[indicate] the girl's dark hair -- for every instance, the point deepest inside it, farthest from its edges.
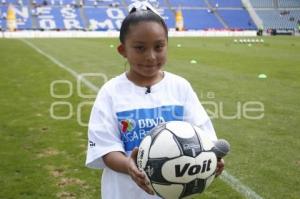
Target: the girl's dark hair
(137, 16)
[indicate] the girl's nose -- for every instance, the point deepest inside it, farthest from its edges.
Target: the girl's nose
(150, 55)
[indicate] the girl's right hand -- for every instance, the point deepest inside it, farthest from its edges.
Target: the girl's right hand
(137, 176)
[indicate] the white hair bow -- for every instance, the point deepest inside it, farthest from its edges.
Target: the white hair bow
(142, 5)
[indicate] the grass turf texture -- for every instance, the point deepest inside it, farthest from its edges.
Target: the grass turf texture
(44, 158)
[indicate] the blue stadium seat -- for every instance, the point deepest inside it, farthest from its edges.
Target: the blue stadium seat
(65, 18)
(23, 17)
(155, 3)
(2, 21)
(17, 2)
(55, 2)
(105, 3)
(189, 3)
(276, 14)
(108, 14)
(41, 2)
(244, 20)
(262, 3)
(200, 19)
(169, 18)
(159, 3)
(288, 3)
(105, 18)
(275, 19)
(226, 3)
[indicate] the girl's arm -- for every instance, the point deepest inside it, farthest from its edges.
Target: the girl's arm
(117, 161)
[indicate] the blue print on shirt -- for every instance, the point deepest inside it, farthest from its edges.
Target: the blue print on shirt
(135, 124)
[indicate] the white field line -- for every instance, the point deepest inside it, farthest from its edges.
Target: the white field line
(61, 65)
(226, 177)
(239, 186)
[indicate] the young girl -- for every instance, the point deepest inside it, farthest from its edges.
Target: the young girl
(128, 106)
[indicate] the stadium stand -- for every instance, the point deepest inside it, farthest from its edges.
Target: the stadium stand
(189, 3)
(244, 21)
(104, 15)
(102, 3)
(58, 18)
(168, 16)
(200, 19)
(262, 3)
(155, 3)
(54, 2)
(289, 3)
(1, 21)
(226, 3)
(276, 19)
(104, 18)
(23, 17)
(17, 2)
(232, 14)
(278, 14)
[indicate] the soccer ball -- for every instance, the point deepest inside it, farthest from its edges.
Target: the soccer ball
(177, 159)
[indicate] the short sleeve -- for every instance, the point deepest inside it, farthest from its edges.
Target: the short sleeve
(103, 134)
(196, 114)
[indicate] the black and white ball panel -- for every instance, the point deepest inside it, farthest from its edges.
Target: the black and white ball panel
(177, 127)
(204, 139)
(170, 191)
(178, 160)
(164, 145)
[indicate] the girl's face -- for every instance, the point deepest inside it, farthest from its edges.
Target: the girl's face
(145, 48)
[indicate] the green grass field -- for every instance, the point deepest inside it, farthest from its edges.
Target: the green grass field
(43, 155)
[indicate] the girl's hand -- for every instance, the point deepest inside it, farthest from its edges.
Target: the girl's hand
(220, 167)
(137, 176)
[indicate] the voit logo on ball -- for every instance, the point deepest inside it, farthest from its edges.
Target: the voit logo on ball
(184, 169)
(127, 125)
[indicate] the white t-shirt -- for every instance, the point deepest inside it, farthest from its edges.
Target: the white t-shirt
(124, 113)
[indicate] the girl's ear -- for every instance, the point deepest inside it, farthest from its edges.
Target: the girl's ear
(121, 50)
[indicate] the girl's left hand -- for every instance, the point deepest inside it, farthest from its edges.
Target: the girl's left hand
(137, 176)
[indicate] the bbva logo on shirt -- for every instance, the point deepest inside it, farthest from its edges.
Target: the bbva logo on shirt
(135, 124)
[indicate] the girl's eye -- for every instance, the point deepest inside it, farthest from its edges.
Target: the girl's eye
(159, 46)
(139, 48)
